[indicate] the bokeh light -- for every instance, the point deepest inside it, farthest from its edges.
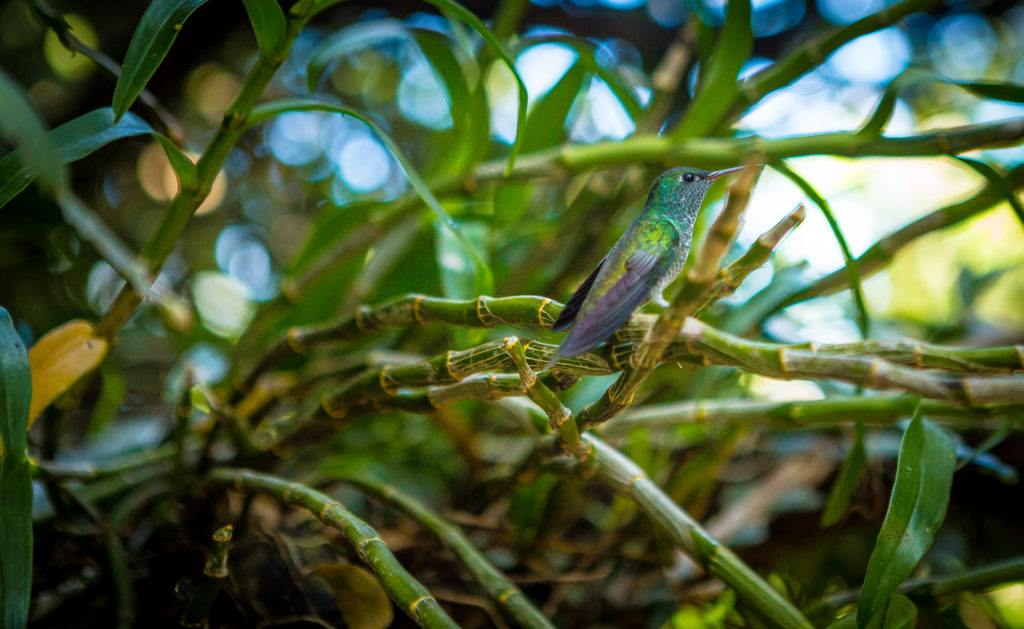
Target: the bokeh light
(223, 302)
(65, 64)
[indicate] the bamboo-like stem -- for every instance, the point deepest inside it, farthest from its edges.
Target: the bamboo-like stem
(624, 475)
(813, 52)
(177, 215)
(408, 593)
(878, 255)
(505, 593)
(753, 258)
(559, 417)
(832, 411)
(214, 573)
(973, 580)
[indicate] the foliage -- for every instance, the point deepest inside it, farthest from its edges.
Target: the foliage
(326, 282)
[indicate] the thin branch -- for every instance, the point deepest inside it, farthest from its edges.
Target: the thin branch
(410, 596)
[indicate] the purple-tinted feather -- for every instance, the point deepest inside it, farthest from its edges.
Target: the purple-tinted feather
(572, 307)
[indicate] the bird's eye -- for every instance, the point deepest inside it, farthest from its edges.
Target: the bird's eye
(689, 177)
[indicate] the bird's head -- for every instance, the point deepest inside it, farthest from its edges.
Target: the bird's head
(683, 189)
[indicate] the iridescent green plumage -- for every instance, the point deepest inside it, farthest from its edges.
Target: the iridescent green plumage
(647, 257)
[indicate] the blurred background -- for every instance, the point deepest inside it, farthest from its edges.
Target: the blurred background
(294, 232)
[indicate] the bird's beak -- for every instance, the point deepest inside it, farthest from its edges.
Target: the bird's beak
(725, 171)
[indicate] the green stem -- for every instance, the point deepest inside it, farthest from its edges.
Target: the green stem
(403, 589)
(813, 52)
(505, 593)
(214, 573)
(832, 411)
(624, 475)
(174, 219)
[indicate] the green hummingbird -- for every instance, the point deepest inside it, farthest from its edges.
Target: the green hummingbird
(648, 256)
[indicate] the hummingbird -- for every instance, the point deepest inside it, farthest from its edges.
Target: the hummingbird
(646, 258)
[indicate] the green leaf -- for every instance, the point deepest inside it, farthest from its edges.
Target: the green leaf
(15, 478)
(268, 23)
(262, 113)
(72, 141)
(900, 614)
(21, 125)
(362, 600)
(1012, 92)
(616, 83)
(849, 478)
(852, 269)
(545, 126)
(152, 39)
(183, 167)
(719, 84)
(998, 180)
(469, 19)
(917, 507)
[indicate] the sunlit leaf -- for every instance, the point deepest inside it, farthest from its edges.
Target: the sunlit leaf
(15, 478)
(72, 141)
(545, 125)
(917, 507)
(362, 600)
(718, 83)
(266, 111)
(153, 37)
(623, 91)
(849, 477)
(22, 127)
(468, 18)
(60, 358)
(268, 23)
(998, 180)
(852, 270)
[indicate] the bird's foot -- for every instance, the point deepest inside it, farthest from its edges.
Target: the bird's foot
(659, 300)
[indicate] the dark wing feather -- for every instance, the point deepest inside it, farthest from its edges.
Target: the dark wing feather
(617, 305)
(572, 307)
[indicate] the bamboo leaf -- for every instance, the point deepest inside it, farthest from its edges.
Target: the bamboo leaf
(268, 23)
(1012, 92)
(718, 85)
(266, 111)
(153, 37)
(849, 477)
(184, 168)
(21, 125)
(901, 614)
(363, 602)
(72, 141)
(545, 126)
(15, 479)
(852, 270)
(916, 509)
(998, 180)
(471, 20)
(59, 359)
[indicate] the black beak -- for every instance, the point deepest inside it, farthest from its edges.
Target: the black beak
(725, 171)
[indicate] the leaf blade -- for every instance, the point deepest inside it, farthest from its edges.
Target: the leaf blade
(150, 43)
(15, 478)
(268, 23)
(917, 507)
(72, 141)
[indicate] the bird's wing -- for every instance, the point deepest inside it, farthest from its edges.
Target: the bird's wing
(572, 307)
(646, 263)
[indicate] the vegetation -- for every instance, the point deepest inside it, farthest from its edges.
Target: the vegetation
(287, 306)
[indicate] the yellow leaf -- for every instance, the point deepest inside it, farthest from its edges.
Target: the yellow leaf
(361, 598)
(59, 359)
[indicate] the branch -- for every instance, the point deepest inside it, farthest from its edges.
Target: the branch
(402, 587)
(831, 411)
(505, 593)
